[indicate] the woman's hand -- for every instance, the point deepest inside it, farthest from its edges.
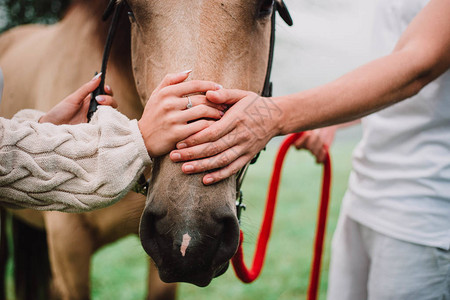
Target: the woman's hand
(167, 118)
(73, 109)
(234, 140)
(317, 141)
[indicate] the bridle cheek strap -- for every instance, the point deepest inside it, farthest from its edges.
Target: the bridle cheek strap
(280, 7)
(100, 90)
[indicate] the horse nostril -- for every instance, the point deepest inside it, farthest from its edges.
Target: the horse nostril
(229, 240)
(148, 231)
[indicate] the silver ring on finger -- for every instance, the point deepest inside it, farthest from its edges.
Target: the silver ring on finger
(189, 104)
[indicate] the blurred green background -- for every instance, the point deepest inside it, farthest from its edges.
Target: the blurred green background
(17, 12)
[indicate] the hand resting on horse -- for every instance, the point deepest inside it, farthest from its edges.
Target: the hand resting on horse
(73, 109)
(227, 145)
(252, 121)
(74, 168)
(167, 120)
(234, 140)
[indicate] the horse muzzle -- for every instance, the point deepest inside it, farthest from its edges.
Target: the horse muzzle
(189, 250)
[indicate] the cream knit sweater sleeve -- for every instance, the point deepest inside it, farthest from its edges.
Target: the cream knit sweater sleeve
(70, 168)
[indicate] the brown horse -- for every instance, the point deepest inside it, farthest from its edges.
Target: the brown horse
(189, 230)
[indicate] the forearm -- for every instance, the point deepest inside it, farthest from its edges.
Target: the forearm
(365, 90)
(70, 168)
(420, 56)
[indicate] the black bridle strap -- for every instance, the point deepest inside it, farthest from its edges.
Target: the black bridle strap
(100, 90)
(267, 89)
(281, 8)
(109, 9)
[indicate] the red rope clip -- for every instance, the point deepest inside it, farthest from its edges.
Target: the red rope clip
(249, 275)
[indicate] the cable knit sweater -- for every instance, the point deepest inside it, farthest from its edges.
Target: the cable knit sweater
(69, 168)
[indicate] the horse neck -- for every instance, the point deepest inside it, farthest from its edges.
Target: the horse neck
(84, 20)
(83, 27)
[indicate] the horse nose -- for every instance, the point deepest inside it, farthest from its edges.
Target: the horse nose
(192, 249)
(228, 236)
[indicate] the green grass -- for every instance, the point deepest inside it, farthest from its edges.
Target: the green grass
(120, 270)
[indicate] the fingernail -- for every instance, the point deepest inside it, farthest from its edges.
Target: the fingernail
(181, 145)
(100, 98)
(219, 87)
(108, 88)
(175, 156)
(188, 168)
(187, 71)
(221, 113)
(97, 76)
(209, 180)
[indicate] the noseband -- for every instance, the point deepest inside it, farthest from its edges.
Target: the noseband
(115, 8)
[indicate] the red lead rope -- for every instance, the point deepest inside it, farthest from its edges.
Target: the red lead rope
(241, 270)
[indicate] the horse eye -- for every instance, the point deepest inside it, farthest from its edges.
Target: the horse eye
(266, 8)
(131, 16)
(130, 12)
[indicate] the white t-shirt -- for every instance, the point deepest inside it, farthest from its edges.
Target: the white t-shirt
(400, 183)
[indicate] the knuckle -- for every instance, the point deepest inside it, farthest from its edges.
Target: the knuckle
(191, 141)
(166, 108)
(212, 160)
(201, 165)
(171, 120)
(196, 84)
(234, 170)
(190, 156)
(164, 92)
(176, 132)
(206, 163)
(246, 135)
(238, 121)
(213, 133)
(223, 160)
(209, 123)
(203, 123)
(221, 174)
(202, 109)
(169, 105)
(212, 149)
(169, 77)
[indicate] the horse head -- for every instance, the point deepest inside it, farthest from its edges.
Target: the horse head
(190, 230)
